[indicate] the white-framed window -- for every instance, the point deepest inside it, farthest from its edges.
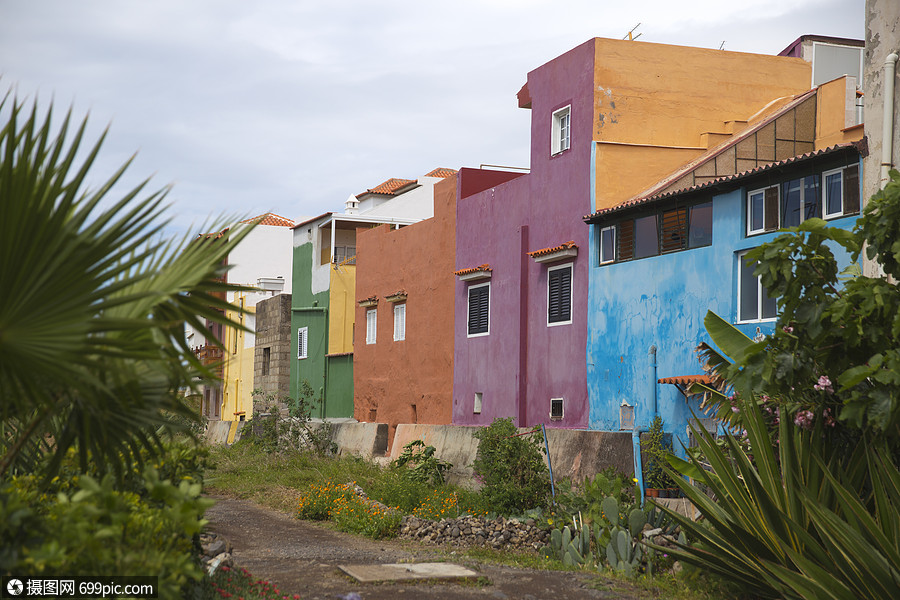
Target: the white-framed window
(607, 245)
(840, 191)
(479, 310)
(371, 325)
(754, 302)
(560, 140)
(399, 322)
(559, 295)
(557, 410)
(762, 210)
(302, 342)
(476, 408)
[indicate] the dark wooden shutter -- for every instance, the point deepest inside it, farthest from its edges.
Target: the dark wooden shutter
(479, 304)
(771, 208)
(559, 306)
(851, 190)
(625, 240)
(673, 230)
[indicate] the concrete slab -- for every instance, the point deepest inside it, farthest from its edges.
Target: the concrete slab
(406, 571)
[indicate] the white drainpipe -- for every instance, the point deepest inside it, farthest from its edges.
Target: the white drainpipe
(887, 131)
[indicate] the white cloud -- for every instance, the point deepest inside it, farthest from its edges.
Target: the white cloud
(292, 106)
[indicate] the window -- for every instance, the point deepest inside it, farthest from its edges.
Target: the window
(302, 342)
(371, 325)
(556, 409)
(399, 322)
(841, 191)
(800, 201)
(559, 295)
(607, 245)
(626, 416)
(754, 303)
(835, 192)
(762, 210)
(700, 225)
(477, 406)
(479, 309)
(266, 360)
(561, 139)
(667, 230)
(646, 242)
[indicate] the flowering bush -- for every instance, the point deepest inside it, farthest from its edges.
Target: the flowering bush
(240, 585)
(341, 504)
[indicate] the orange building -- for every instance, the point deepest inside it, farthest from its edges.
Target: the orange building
(403, 341)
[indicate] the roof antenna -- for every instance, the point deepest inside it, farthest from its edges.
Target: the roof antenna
(722, 45)
(629, 36)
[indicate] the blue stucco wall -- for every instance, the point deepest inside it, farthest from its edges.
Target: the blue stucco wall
(662, 301)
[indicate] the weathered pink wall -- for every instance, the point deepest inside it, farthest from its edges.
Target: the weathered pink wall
(390, 378)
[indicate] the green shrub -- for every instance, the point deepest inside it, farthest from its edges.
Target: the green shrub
(511, 469)
(99, 529)
(418, 463)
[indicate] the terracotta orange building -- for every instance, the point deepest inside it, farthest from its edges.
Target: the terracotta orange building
(403, 339)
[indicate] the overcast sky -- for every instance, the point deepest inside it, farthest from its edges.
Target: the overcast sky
(290, 106)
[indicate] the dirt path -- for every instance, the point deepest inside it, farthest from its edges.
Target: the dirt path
(302, 558)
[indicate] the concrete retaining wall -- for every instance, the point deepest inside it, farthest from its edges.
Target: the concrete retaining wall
(577, 454)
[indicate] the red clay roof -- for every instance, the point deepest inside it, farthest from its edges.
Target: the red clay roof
(271, 219)
(543, 251)
(441, 172)
(388, 187)
(686, 379)
(861, 146)
(484, 267)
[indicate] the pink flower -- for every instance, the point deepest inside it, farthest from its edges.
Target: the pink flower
(735, 409)
(788, 329)
(824, 384)
(804, 419)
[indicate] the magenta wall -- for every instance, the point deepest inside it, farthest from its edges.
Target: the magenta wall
(523, 363)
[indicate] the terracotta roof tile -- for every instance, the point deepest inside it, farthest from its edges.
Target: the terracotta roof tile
(485, 267)
(860, 146)
(388, 187)
(441, 172)
(544, 251)
(271, 219)
(686, 379)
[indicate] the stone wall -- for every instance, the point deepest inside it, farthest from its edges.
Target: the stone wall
(272, 357)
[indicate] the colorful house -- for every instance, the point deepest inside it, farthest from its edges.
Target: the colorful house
(662, 259)
(403, 358)
(323, 304)
(262, 261)
(609, 119)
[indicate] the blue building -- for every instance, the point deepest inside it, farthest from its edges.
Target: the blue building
(661, 260)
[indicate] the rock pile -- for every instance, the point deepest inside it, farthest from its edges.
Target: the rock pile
(475, 531)
(216, 552)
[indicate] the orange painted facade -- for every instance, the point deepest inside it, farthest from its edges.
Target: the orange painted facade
(408, 380)
(644, 130)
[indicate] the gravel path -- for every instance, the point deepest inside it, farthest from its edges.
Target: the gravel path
(302, 558)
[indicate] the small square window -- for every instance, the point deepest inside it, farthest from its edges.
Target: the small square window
(477, 406)
(399, 322)
(371, 325)
(762, 210)
(626, 416)
(561, 130)
(302, 342)
(556, 409)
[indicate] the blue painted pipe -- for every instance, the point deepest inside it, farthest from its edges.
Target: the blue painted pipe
(638, 469)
